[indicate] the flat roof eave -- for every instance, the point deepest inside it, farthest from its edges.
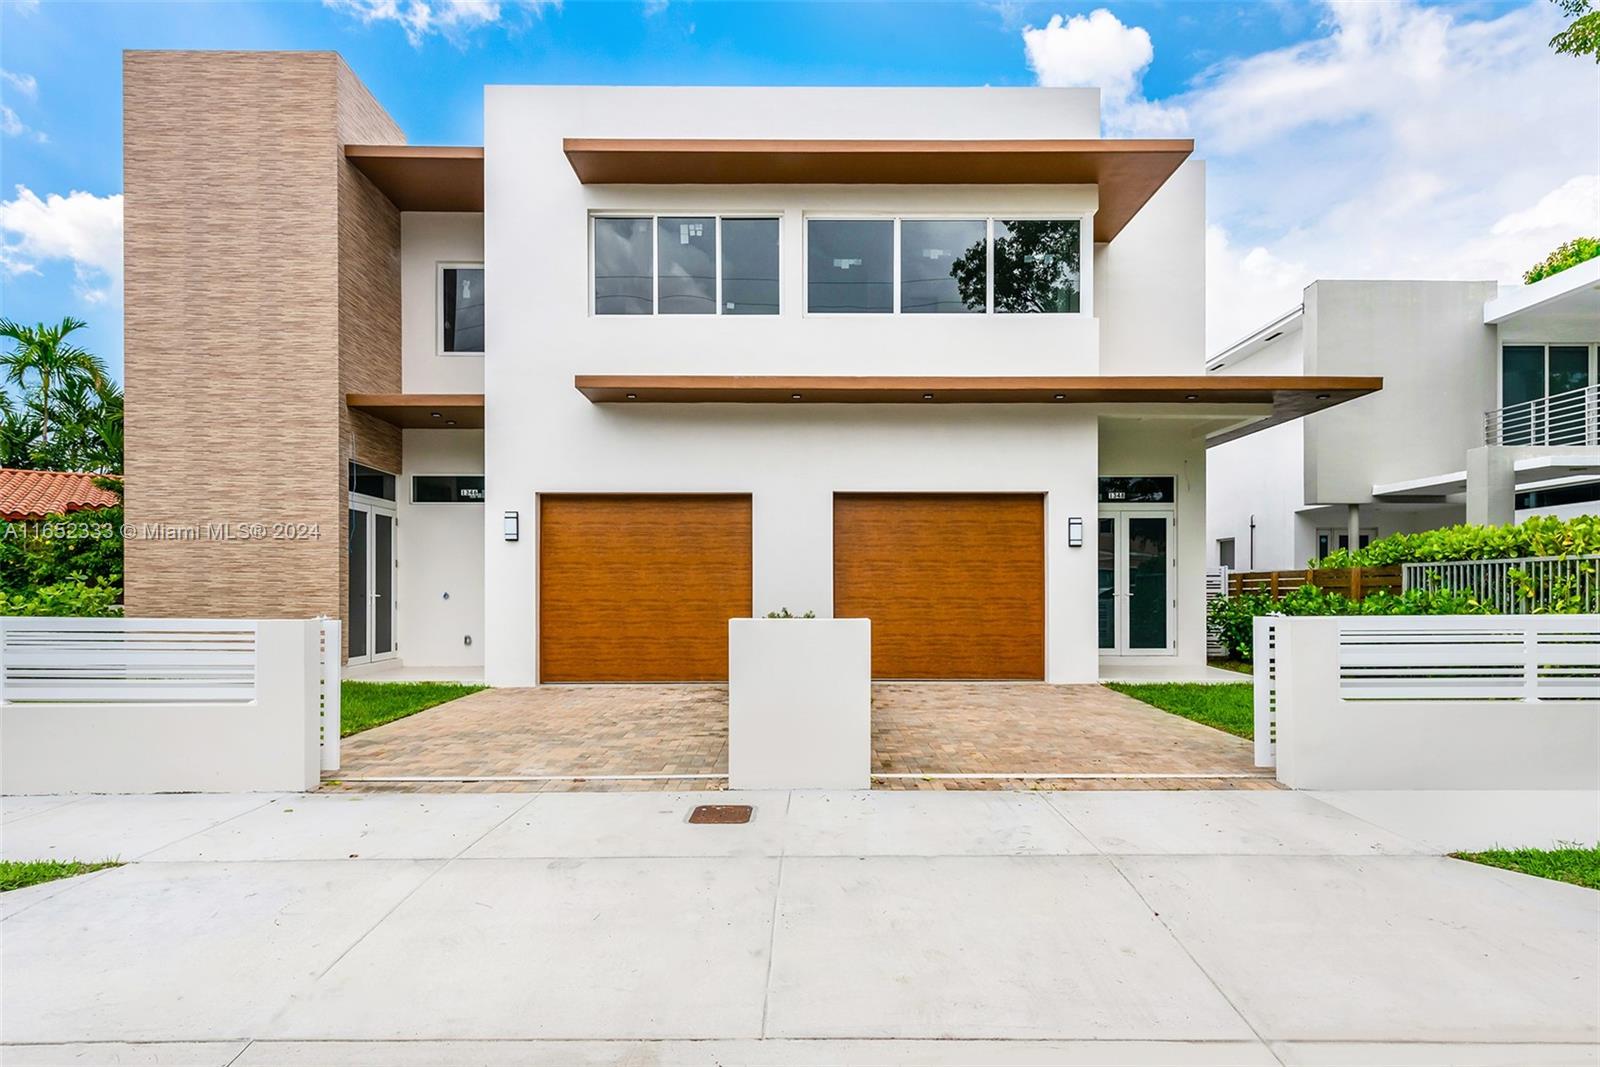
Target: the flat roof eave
(423, 177)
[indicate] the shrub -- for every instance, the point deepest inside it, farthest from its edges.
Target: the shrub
(1232, 619)
(50, 551)
(73, 597)
(785, 613)
(1570, 254)
(1540, 535)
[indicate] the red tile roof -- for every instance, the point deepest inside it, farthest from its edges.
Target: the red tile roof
(35, 494)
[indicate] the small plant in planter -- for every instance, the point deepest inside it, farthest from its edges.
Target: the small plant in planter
(785, 613)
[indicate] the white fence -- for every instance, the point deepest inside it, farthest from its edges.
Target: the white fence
(1430, 702)
(167, 705)
(1513, 586)
(1216, 589)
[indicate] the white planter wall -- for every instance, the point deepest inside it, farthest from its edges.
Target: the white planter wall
(799, 703)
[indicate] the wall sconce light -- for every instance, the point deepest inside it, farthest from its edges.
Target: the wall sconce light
(1074, 533)
(512, 526)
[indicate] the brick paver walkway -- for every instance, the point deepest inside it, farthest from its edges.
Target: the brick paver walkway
(921, 729)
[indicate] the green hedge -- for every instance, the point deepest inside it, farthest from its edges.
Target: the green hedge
(85, 546)
(73, 597)
(1536, 536)
(1232, 619)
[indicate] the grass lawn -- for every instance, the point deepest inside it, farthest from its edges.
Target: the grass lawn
(1580, 866)
(18, 874)
(1226, 706)
(364, 705)
(1238, 665)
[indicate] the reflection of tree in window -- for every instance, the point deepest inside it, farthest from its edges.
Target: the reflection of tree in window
(1035, 267)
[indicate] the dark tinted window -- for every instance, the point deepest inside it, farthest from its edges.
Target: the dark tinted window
(686, 259)
(850, 266)
(1521, 374)
(749, 266)
(1036, 266)
(463, 309)
(369, 482)
(447, 489)
(1137, 491)
(622, 274)
(944, 266)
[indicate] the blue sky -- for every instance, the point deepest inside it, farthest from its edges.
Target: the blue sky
(1342, 139)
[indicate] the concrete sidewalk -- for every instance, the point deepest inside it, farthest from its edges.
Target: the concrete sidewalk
(972, 928)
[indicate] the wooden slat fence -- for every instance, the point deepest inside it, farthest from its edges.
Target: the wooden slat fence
(1353, 582)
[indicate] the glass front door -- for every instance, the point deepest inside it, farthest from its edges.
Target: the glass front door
(1137, 587)
(369, 613)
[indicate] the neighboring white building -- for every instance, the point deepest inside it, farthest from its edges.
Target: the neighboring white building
(655, 358)
(1488, 414)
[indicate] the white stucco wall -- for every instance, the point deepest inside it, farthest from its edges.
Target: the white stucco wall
(1150, 283)
(428, 238)
(1259, 479)
(543, 436)
(1439, 365)
(440, 551)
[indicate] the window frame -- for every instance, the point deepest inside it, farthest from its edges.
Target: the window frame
(988, 217)
(414, 502)
(439, 267)
(1544, 378)
(655, 218)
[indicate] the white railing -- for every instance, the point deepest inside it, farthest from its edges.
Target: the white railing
(1514, 586)
(1264, 645)
(1570, 418)
(167, 705)
(127, 661)
(1470, 657)
(1430, 701)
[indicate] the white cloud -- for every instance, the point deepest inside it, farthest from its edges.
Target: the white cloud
(25, 84)
(10, 124)
(1400, 141)
(452, 19)
(1097, 50)
(1573, 205)
(80, 228)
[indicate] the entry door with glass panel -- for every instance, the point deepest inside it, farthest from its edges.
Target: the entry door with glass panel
(1137, 566)
(369, 614)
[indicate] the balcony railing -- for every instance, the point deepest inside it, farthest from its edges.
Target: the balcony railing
(1571, 418)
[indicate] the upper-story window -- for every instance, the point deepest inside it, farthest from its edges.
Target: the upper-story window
(685, 265)
(943, 266)
(460, 309)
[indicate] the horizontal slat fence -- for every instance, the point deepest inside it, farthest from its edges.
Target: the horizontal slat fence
(1470, 657)
(127, 661)
(1353, 582)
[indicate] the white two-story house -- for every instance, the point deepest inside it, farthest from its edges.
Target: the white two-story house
(654, 358)
(1489, 414)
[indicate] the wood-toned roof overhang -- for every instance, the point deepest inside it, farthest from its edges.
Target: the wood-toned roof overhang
(1128, 172)
(423, 177)
(1267, 401)
(422, 411)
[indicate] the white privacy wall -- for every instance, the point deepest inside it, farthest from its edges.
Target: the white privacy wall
(428, 238)
(545, 437)
(440, 551)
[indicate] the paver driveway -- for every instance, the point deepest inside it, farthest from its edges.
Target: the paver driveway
(993, 735)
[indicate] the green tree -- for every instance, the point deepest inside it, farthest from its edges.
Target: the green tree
(1570, 254)
(43, 360)
(1582, 35)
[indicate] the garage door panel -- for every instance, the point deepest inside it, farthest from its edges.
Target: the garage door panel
(641, 588)
(953, 583)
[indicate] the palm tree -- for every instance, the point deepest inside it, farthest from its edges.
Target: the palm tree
(45, 352)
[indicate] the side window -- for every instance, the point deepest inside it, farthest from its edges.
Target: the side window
(749, 266)
(1225, 552)
(850, 266)
(944, 266)
(460, 309)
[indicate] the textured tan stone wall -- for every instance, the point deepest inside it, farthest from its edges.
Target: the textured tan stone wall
(262, 276)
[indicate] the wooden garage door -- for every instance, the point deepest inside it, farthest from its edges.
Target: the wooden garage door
(640, 588)
(953, 584)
